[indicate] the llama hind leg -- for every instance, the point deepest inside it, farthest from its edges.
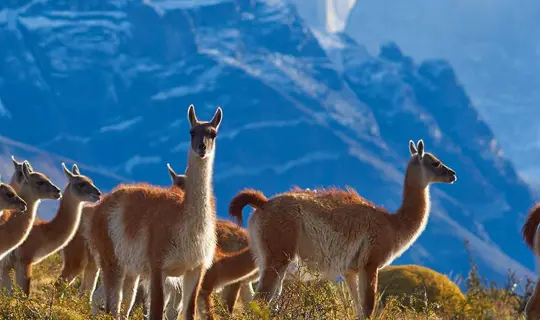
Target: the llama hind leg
(113, 281)
(190, 291)
(131, 283)
(273, 255)
(352, 279)
(229, 295)
(246, 292)
(532, 308)
(6, 282)
(367, 290)
(23, 274)
(89, 278)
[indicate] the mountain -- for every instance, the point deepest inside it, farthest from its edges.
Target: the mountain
(489, 45)
(107, 85)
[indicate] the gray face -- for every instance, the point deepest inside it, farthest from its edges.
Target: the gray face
(203, 134)
(81, 186)
(428, 167)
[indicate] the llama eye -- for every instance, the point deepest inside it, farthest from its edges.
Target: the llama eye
(436, 164)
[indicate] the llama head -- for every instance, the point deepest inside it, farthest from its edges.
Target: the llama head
(425, 168)
(79, 186)
(17, 177)
(178, 180)
(203, 134)
(37, 185)
(9, 200)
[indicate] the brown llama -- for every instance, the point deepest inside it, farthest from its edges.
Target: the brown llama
(231, 239)
(17, 224)
(75, 255)
(9, 200)
(143, 231)
(338, 232)
(531, 235)
(46, 238)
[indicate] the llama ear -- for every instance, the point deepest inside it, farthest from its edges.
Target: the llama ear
(75, 170)
(191, 116)
(420, 146)
(180, 181)
(16, 164)
(67, 173)
(26, 170)
(171, 172)
(412, 148)
(216, 120)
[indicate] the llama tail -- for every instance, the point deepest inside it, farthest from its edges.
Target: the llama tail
(251, 197)
(530, 226)
(229, 268)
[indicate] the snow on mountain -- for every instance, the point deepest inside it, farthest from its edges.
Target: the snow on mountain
(328, 15)
(107, 85)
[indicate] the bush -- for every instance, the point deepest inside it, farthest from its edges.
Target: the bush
(420, 288)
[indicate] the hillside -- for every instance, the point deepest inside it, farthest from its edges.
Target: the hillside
(107, 84)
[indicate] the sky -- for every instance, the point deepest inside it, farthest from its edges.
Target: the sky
(493, 46)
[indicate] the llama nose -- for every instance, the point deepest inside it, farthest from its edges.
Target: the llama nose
(202, 146)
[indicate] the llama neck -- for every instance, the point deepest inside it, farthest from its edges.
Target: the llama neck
(20, 223)
(413, 214)
(198, 190)
(63, 226)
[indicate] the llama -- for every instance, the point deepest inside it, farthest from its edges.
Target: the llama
(143, 231)
(338, 232)
(225, 271)
(531, 235)
(16, 226)
(230, 238)
(9, 200)
(46, 238)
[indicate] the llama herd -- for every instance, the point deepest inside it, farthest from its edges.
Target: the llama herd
(165, 248)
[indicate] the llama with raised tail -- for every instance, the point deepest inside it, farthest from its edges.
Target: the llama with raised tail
(531, 236)
(47, 237)
(150, 232)
(17, 224)
(338, 232)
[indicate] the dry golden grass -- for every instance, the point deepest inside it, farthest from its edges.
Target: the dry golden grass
(406, 293)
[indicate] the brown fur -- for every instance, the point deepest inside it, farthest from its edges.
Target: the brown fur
(310, 225)
(530, 226)
(248, 196)
(46, 237)
(168, 234)
(531, 237)
(33, 187)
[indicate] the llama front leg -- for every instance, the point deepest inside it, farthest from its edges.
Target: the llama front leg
(190, 291)
(368, 289)
(23, 274)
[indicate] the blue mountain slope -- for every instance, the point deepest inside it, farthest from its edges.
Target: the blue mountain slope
(108, 85)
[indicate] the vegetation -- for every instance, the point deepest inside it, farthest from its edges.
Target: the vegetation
(406, 292)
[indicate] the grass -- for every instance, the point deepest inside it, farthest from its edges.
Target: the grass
(405, 292)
